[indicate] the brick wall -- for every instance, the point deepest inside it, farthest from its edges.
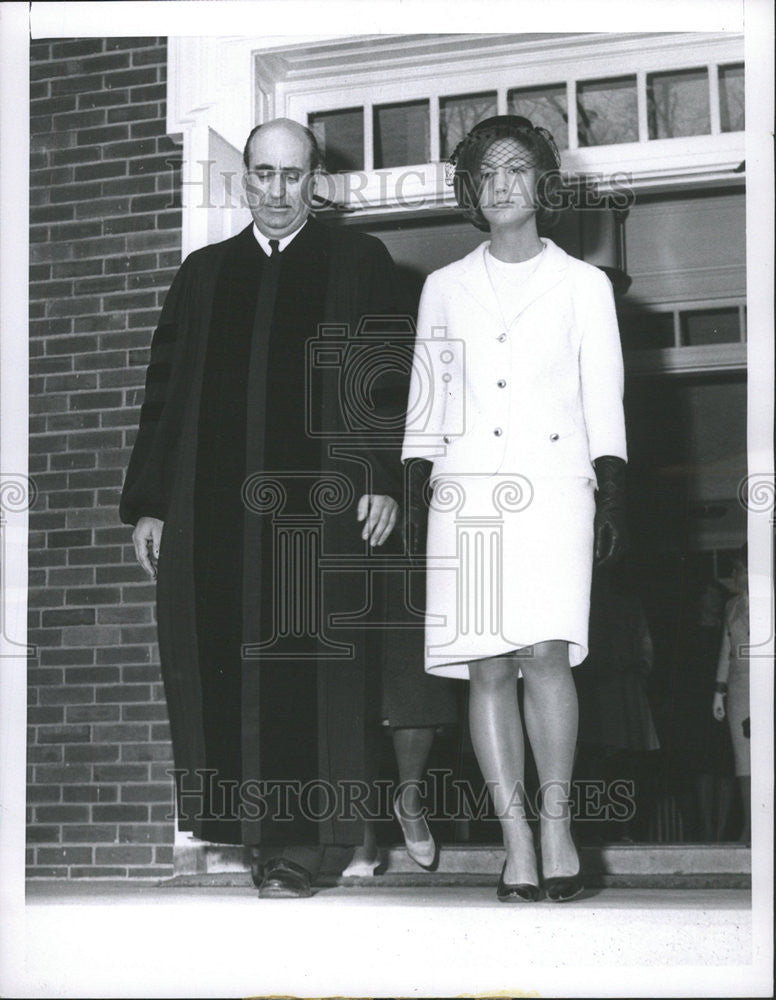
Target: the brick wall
(105, 241)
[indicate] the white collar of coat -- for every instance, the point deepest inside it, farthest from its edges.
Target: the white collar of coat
(549, 271)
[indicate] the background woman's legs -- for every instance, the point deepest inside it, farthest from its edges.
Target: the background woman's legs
(497, 738)
(412, 747)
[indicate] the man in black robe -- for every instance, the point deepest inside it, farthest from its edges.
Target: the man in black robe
(256, 495)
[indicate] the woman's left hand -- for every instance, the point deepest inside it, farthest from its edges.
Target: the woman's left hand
(610, 526)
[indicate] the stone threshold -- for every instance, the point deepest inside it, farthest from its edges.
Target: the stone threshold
(698, 866)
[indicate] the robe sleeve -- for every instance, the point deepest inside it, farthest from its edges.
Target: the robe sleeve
(388, 375)
(144, 493)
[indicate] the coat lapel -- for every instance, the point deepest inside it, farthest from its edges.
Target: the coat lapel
(549, 272)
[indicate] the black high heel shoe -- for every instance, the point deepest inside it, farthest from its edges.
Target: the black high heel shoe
(522, 892)
(564, 888)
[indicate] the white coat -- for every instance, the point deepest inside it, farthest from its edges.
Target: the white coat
(548, 389)
(535, 395)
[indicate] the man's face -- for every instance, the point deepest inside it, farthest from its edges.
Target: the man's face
(278, 182)
(508, 183)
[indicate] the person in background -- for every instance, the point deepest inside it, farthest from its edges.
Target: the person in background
(731, 692)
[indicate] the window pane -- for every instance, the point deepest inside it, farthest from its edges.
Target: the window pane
(678, 103)
(710, 326)
(731, 97)
(401, 134)
(340, 135)
(607, 111)
(458, 115)
(647, 331)
(546, 106)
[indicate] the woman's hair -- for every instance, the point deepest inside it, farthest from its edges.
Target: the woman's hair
(464, 165)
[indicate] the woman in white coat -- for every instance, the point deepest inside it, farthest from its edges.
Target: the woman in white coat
(516, 403)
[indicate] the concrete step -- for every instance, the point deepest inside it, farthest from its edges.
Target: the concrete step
(620, 865)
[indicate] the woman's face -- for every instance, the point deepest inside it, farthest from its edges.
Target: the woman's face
(508, 184)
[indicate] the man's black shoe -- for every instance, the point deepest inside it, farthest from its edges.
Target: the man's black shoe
(257, 869)
(285, 880)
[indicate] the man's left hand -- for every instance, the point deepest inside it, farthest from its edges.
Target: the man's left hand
(380, 514)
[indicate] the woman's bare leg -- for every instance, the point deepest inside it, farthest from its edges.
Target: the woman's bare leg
(551, 718)
(497, 737)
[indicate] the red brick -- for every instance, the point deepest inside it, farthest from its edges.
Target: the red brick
(90, 793)
(140, 672)
(99, 400)
(92, 675)
(44, 793)
(156, 711)
(62, 814)
(45, 871)
(39, 834)
(97, 871)
(92, 713)
(127, 854)
(44, 755)
(90, 833)
(64, 855)
(74, 460)
(145, 833)
(45, 714)
(131, 77)
(71, 576)
(69, 120)
(63, 734)
(106, 98)
(147, 793)
(149, 872)
(120, 772)
(76, 695)
(91, 753)
(81, 47)
(134, 113)
(121, 615)
(121, 733)
(145, 752)
(120, 693)
(120, 813)
(61, 774)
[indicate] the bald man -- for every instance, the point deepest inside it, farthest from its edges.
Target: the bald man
(250, 488)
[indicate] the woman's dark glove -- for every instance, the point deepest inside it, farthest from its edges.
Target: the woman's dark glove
(611, 539)
(418, 475)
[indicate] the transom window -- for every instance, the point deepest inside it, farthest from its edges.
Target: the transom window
(640, 107)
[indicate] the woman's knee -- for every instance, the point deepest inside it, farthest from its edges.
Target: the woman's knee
(546, 660)
(493, 672)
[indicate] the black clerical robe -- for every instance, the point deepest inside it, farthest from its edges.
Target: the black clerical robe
(255, 444)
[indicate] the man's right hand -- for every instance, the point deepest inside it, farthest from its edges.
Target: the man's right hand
(147, 537)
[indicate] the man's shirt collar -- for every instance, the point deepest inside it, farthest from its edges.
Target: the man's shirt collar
(263, 240)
